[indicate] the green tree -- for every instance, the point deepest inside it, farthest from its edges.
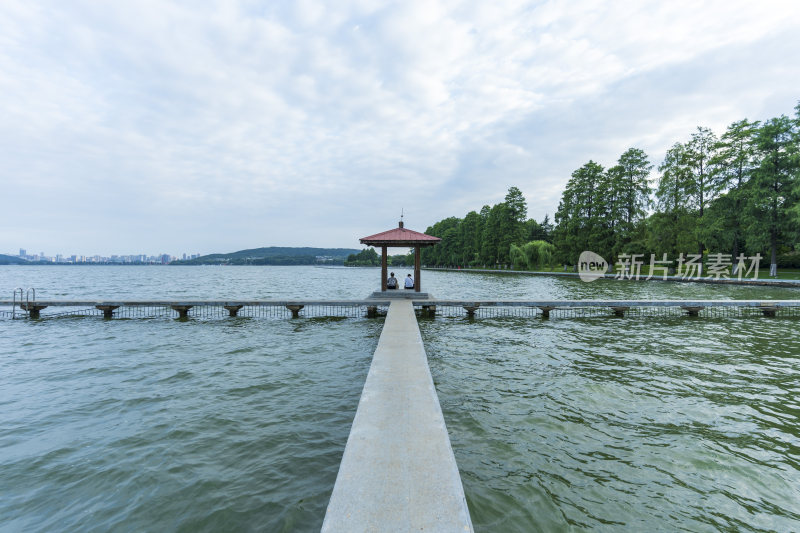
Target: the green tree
(720, 229)
(402, 259)
(578, 213)
(732, 165)
(611, 230)
(534, 255)
(503, 225)
(517, 207)
(634, 169)
(517, 212)
(771, 192)
(533, 230)
(668, 231)
(539, 254)
(499, 232)
(518, 259)
(686, 186)
(443, 254)
(796, 207)
(471, 232)
(699, 151)
(366, 257)
(547, 229)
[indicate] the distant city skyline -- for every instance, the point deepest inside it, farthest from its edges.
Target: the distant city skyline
(221, 127)
(161, 258)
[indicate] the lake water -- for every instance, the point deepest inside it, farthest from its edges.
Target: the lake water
(239, 424)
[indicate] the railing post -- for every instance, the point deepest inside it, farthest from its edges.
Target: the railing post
(233, 310)
(32, 309)
(183, 310)
(295, 309)
(14, 304)
(693, 310)
(470, 309)
(108, 310)
(619, 310)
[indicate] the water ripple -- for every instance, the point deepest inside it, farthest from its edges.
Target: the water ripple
(669, 424)
(167, 426)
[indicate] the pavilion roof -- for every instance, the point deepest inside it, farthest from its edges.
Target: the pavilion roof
(400, 236)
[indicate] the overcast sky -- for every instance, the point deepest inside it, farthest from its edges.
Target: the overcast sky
(187, 126)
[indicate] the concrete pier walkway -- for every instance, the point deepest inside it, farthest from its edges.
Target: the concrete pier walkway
(398, 472)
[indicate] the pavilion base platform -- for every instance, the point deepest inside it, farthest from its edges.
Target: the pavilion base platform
(399, 294)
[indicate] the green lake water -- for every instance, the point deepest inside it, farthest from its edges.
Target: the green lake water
(570, 424)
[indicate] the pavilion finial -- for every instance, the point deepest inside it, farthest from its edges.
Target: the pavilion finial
(401, 217)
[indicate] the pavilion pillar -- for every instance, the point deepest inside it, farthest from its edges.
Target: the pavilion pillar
(417, 271)
(384, 274)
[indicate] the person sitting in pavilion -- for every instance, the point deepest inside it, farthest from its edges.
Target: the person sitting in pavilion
(391, 283)
(409, 282)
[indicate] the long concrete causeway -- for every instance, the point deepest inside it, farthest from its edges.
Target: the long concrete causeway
(398, 472)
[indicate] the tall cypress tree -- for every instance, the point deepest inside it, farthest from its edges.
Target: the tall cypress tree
(773, 187)
(731, 168)
(674, 220)
(578, 218)
(699, 151)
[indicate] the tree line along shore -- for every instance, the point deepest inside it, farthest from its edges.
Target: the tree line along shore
(737, 194)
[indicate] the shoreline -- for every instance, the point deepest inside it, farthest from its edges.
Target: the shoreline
(792, 283)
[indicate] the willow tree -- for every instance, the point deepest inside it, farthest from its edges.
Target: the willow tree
(532, 255)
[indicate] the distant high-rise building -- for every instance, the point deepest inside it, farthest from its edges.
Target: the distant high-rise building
(23, 252)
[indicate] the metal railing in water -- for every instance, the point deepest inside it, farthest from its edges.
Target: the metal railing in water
(601, 308)
(23, 303)
(213, 309)
(14, 304)
(202, 309)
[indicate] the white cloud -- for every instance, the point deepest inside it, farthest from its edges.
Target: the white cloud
(309, 123)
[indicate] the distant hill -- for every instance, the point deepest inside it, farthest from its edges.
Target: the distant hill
(275, 255)
(13, 260)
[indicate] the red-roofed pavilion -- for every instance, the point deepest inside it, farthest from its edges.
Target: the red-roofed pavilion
(400, 237)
